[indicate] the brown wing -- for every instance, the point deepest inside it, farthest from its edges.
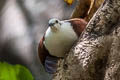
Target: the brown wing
(78, 25)
(42, 52)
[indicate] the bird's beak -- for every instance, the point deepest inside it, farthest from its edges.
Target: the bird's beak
(51, 24)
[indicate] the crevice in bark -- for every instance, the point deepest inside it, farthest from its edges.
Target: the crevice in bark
(100, 66)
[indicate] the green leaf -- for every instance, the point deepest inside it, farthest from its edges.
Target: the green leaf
(14, 72)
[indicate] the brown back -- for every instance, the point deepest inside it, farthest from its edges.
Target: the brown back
(78, 25)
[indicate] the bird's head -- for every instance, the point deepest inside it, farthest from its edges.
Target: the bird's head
(54, 24)
(78, 25)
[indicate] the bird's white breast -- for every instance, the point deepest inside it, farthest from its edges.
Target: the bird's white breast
(58, 43)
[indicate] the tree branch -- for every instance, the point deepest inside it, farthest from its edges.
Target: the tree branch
(88, 59)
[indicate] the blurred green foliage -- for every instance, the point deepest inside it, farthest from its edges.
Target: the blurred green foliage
(14, 72)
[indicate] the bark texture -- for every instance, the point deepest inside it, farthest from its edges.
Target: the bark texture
(96, 55)
(86, 9)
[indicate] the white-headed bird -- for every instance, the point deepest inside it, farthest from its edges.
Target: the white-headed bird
(58, 40)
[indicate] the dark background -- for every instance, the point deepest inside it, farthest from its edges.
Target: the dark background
(22, 24)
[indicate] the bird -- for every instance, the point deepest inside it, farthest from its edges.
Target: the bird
(58, 40)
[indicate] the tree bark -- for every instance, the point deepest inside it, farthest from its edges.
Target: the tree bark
(86, 9)
(96, 55)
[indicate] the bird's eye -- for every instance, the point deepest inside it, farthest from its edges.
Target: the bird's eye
(56, 21)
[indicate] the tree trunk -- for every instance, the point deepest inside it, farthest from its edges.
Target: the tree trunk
(96, 55)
